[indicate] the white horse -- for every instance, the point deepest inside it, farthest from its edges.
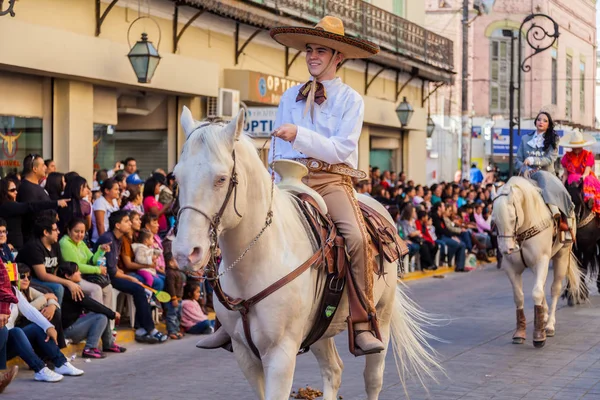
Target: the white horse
(279, 323)
(526, 238)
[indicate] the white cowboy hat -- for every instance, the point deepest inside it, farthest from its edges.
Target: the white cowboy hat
(329, 32)
(577, 140)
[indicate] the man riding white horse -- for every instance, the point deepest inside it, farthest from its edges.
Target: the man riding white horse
(319, 125)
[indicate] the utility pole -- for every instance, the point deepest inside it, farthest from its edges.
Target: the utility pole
(465, 148)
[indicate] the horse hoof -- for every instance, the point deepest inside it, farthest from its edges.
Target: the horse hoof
(518, 340)
(539, 345)
(550, 332)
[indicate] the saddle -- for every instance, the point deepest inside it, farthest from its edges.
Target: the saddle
(330, 255)
(385, 242)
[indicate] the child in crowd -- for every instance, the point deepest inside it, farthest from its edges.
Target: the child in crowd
(193, 319)
(87, 319)
(145, 253)
(174, 286)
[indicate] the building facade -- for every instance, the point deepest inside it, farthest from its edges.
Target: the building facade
(561, 79)
(75, 98)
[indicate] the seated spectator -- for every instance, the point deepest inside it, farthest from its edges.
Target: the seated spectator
(42, 255)
(145, 253)
(408, 223)
(175, 283)
(132, 199)
(152, 206)
(119, 226)
(96, 282)
(484, 225)
(40, 334)
(436, 194)
(103, 207)
(46, 303)
(87, 319)
(6, 254)
(193, 319)
(127, 258)
(413, 247)
(462, 233)
(6, 299)
(423, 223)
(455, 248)
(150, 222)
(14, 212)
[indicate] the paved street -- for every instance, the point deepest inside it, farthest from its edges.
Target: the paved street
(478, 355)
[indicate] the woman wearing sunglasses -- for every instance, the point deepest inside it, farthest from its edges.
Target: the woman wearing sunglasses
(45, 303)
(13, 211)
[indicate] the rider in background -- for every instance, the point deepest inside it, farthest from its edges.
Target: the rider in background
(579, 164)
(535, 159)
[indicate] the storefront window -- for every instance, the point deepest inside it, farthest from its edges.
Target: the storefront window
(19, 137)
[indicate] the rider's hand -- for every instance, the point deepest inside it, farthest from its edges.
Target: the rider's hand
(286, 132)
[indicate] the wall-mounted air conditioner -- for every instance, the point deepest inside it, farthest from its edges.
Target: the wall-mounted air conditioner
(228, 103)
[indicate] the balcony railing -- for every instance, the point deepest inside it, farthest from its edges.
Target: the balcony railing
(364, 20)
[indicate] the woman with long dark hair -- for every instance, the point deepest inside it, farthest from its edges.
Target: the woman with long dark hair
(151, 204)
(13, 211)
(78, 208)
(103, 207)
(535, 158)
(55, 185)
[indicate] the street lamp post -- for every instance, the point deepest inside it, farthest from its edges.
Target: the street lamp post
(511, 101)
(538, 39)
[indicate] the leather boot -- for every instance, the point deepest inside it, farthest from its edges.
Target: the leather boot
(521, 332)
(365, 339)
(215, 340)
(539, 330)
(569, 234)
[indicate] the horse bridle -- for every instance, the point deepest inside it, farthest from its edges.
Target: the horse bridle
(211, 268)
(514, 235)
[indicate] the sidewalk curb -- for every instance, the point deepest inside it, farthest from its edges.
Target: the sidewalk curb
(417, 275)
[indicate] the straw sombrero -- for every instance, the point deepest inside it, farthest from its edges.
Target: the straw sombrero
(329, 32)
(577, 140)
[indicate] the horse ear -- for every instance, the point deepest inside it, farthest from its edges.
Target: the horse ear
(187, 122)
(235, 128)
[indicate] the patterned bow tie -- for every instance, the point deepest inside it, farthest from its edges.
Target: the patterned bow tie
(320, 95)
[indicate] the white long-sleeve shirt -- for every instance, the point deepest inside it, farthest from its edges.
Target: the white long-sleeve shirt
(332, 136)
(28, 311)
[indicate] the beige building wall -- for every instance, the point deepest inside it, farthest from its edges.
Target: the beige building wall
(96, 67)
(74, 127)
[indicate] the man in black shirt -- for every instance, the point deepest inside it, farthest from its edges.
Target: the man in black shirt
(34, 172)
(120, 225)
(42, 255)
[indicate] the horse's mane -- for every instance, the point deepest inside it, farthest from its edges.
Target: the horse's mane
(209, 134)
(532, 201)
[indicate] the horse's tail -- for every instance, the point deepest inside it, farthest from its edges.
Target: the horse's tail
(412, 353)
(575, 277)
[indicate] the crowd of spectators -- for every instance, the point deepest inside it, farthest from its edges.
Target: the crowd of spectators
(70, 244)
(449, 218)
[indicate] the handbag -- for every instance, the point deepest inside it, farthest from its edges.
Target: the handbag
(97, 279)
